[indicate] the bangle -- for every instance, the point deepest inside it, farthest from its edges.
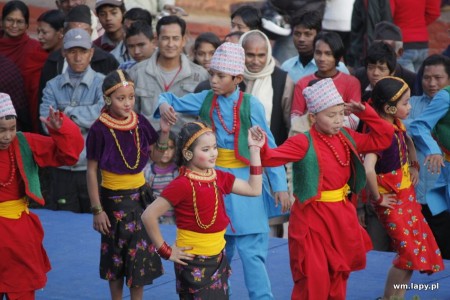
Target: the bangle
(96, 210)
(162, 147)
(380, 199)
(256, 170)
(415, 164)
(165, 251)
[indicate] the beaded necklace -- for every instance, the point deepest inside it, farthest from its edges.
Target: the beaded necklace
(333, 149)
(399, 142)
(219, 114)
(12, 172)
(209, 176)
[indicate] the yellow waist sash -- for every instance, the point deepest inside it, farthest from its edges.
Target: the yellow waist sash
(202, 243)
(447, 157)
(334, 195)
(115, 181)
(13, 209)
(227, 159)
(406, 180)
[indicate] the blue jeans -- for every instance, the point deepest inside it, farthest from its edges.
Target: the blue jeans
(412, 59)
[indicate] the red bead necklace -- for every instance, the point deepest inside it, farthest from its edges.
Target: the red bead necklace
(333, 149)
(13, 168)
(219, 114)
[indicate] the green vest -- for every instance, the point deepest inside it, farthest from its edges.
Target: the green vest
(28, 169)
(441, 132)
(243, 123)
(307, 174)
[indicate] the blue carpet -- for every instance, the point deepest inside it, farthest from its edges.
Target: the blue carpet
(73, 247)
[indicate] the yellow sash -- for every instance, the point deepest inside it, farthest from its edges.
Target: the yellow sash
(227, 159)
(115, 181)
(406, 180)
(334, 195)
(202, 243)
(13, 209)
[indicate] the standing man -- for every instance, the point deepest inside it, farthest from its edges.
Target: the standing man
(78, 93)
(305, 27)
(167, 70)
(436, 76)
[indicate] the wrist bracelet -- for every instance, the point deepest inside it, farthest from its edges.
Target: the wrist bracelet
(380, 199)
(162, 147)
(256, 170)
(164, 251)
(415, 164)
(96, 210)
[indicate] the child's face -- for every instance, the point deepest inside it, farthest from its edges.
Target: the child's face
(377, 71)
(323, 56)
(330, 120)
(403, 106)
(140, 47)
(203, 54)
(111, 18)
(222, 83)
(167, 157)
(122, 102)
(7, 132)
(205, 153)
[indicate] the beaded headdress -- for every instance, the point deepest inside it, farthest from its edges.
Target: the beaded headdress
(123, 82)
(195, 136)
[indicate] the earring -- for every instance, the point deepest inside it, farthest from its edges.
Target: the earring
(392, 110)
(107, 100)
(188, 155)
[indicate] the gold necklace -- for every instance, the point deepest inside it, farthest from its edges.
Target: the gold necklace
(120, 149)
(194, 200)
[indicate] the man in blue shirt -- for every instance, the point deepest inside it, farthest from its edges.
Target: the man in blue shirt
(427, 111)
(78, 93)
(305, 27)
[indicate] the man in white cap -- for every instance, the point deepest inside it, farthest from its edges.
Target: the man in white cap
(24, 263)
(78, 93)
(326, 242)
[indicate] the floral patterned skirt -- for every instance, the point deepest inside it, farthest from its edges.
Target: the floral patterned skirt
(127, 250)
(412, 238)
(204, 278)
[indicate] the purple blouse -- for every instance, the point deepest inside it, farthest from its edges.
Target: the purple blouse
(389, 159)
(101, 146)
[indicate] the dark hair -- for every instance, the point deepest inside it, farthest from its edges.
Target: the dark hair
(186, 132)
(434, 60)
(334, 41)
(308, 19)
(16, 5)
(138, 14)
(54, 18)
(250, 15)
(140, 27)
(234, 33)
(113, 78)
(9, 117)
(380, 52)
(385, 92)
(172, 19)
(122, 8)
(207, 37)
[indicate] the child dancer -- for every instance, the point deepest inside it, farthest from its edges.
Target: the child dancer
(326, 241)
(118, 144)
(201, 267)
(24, 262)
(230, 113)
(390, 178)
(159, 173)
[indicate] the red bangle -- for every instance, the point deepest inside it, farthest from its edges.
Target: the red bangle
(380, 199)
(415, 164)
(256, 170)
(164, 251)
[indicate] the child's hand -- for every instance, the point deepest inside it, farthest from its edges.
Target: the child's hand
(354, 107)
(54, 120)
(388, 200)
(179, 254)
(434, 163)
(414, 175)
(101, 223)
(168, 113)
(165, 125)
(256, 137)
